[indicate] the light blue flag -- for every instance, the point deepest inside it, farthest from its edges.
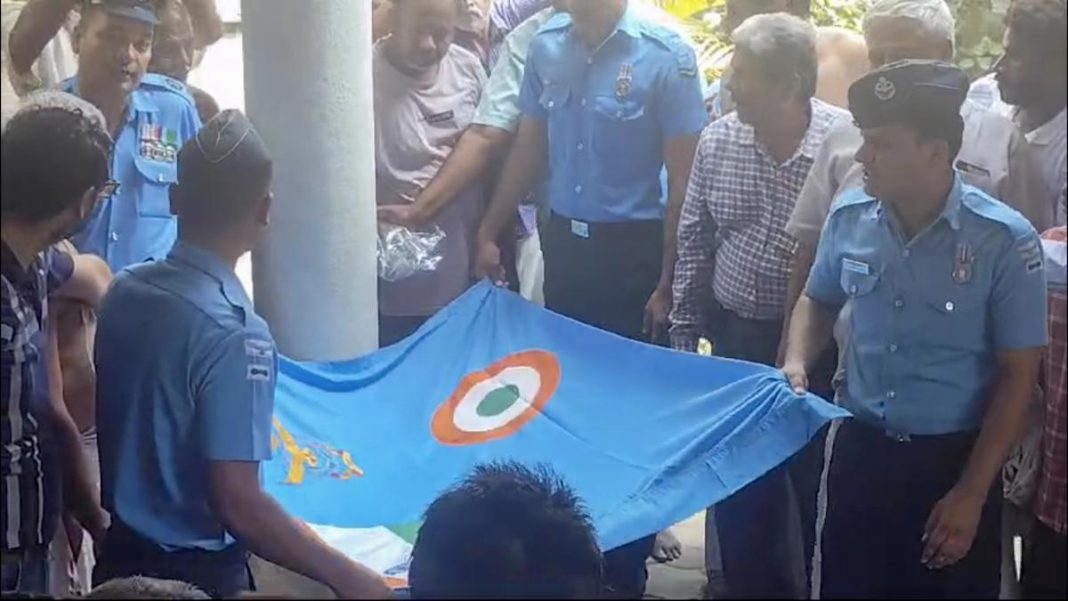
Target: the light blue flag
(646, 436)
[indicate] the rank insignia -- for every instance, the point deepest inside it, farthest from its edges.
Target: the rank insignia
(963, 263)
(624, 80)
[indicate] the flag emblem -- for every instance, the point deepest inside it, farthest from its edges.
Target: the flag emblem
(496, 402)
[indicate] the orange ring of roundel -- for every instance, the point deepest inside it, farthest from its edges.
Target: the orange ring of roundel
(543, 362)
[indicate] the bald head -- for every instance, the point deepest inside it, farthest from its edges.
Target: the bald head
(423, 30)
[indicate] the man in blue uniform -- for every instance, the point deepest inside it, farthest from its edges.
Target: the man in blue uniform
(186, 376)
(945, 290)
(150, 117)
(609, 99)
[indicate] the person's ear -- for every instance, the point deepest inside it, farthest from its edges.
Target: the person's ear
(263, 211)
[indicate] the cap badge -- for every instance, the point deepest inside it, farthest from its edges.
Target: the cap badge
(885, 89)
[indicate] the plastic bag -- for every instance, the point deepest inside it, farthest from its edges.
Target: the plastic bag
(403, 252)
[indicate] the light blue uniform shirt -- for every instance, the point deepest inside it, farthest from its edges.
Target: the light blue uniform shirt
(928, 317)
(186, 375)
(136, 224)
(609, 113)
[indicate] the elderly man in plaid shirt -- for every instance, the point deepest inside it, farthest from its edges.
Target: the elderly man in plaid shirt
(1043, 573)
(748, 171)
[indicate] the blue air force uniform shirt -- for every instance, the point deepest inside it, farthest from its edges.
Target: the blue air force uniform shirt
(927, 317)
(609, 112)
(186, 376)
(135, 224)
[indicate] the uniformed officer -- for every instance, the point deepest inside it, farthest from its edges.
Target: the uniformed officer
(947, 301)
(186, 378)
(608, 98)
(150, 117)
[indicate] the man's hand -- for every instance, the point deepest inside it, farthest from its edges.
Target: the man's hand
(657, 309)
(406, 215)
(951, 528)
(797, 376)
(488, 263)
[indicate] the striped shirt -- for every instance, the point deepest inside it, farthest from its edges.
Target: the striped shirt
(732, 234)
(1050, 504)
(23, 309)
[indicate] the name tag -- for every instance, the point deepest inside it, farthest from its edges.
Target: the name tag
(440, 117)
(967, 167)
(856, 266)
(580, 228)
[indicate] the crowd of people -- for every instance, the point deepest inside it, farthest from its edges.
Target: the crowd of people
(849, 208)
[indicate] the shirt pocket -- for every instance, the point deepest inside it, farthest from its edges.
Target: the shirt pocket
(554, 97)
(619, 132)
(865, 315)
(153, 190)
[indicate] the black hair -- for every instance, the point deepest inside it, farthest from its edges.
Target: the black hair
(1040, 25)
(941, 127)
(218, 195)
(506, 531)
(141, 587)
(51, 158)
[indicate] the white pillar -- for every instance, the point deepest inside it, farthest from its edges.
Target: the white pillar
(308, 90)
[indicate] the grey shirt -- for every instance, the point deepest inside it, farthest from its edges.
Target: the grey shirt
(418, 121)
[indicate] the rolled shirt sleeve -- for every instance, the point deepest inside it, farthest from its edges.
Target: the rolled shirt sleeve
(235, 401)
(1018, 299)
(824, 281)
(680, 106)
(696, 245)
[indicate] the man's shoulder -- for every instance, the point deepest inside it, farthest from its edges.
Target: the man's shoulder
(466, 62)
(175, 292)
(167, 93)
(992, 211)
(725, 131)
(850, 203)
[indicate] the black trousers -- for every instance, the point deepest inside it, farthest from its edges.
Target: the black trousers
(880, 493)
(604, 280)
(220, 574)
(1044, 574)
(765, 527)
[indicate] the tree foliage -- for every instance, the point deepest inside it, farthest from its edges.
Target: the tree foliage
(979, 28)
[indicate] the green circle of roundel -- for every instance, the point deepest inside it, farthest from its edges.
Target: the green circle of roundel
(498, 401)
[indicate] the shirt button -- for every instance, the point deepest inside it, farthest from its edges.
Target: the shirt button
(552, 103)
(581, 146)
(853, 289)
(578, 189)
(589, 61)
(950, 306)
(905, 253)
(891, 395)
(159, 178)
(893, 348)
(898, 303)
(619, 114)
(114, 236)
(582, 102)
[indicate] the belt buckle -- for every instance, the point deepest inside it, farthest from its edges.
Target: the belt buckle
(580, 228)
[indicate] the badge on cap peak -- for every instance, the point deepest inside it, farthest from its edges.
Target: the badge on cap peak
(885, 89)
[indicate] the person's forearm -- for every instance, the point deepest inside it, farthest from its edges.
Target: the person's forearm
(81, 497)
(810, 331)
(467, 163)
(800, 267)
(38, 23)
(521, 170)
(207, 25)
(1002, 427)
(679, 160)
(260, 523)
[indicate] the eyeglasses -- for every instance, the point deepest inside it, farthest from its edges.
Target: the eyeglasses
(107, 189)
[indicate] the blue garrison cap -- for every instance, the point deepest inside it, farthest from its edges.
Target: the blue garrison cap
(146, 11)
(907, 93)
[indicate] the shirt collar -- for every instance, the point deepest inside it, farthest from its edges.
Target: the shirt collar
(12, 269)
(821, 117)
(139, 100)
(950, 213)
(1048, 132)
(209, 263)
(629, 24)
